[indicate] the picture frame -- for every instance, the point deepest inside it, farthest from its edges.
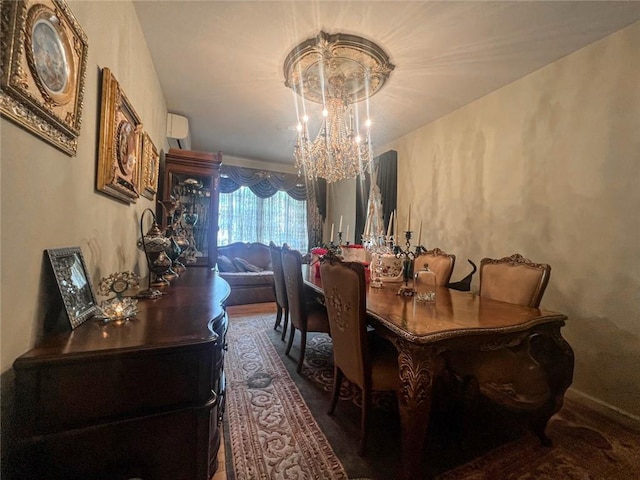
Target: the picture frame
(44, 63)
(150, 168)
(74, 285)
(120, 145)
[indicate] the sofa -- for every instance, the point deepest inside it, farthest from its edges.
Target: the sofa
(247, 269)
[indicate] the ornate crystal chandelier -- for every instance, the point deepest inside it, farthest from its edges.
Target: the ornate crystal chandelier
(336, 71)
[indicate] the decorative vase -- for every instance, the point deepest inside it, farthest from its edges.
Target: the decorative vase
(155, 244)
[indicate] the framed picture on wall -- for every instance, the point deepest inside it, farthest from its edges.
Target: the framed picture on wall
(120, 145)
(150, 168)
(44, 60)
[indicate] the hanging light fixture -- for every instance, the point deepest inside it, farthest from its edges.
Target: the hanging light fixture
(337, 71)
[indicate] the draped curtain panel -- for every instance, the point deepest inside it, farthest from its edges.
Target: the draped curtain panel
(316, 206)
(387, 165)
(261, 182)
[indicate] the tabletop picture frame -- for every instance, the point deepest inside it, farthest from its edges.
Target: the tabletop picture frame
(120, 145)
(75, 287)
(150, 168)
(44, 63)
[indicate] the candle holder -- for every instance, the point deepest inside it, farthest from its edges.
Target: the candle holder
(119, 308)
(334, 249)
(407, 257)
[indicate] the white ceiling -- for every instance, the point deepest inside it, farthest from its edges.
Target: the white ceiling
(220, 62)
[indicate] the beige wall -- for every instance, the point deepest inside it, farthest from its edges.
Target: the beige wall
(48, 199)
(549, 167)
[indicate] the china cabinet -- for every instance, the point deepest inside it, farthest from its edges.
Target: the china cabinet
(193, 179)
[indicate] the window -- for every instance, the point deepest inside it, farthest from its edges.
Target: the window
(245, 217)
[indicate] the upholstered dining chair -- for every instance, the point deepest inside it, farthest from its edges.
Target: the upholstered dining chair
(369, 365)
(514, 279)
(282, 303)
(515, 376)
(439, 262)
(305, 314)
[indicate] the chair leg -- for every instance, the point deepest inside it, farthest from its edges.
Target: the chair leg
(278, 317)
(364, 420)
(337, 383)
(291, 335)
(303, 347)
(285, 323)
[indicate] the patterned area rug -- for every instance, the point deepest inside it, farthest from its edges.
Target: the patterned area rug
(274, 433)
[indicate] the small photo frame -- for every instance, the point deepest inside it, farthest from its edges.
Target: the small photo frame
(120, 147)
(73, 282)
(150, 168)
(44, 63)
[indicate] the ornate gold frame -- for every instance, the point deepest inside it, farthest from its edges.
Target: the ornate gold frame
(120, 147)
(44, 60)
(150, 168)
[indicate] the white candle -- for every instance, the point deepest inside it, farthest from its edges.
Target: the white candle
(340, 226)
(389, 227)
(346, 239)
(395, 226)
(409, 219)
(331, 238)
(420, 234)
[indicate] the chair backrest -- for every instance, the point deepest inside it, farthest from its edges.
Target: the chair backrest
(514, 279)
(439, 262)
(278, 275)
(345, 299)
(294, 286)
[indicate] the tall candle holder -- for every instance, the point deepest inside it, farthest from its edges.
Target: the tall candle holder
(407, 257)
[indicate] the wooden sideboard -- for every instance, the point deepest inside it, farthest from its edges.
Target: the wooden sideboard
(139, 400)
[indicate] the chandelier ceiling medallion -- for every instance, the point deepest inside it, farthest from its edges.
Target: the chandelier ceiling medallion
(337, 71)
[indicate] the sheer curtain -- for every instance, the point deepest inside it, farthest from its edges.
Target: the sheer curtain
(245, 217)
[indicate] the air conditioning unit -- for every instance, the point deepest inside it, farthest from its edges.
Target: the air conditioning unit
(178, 132)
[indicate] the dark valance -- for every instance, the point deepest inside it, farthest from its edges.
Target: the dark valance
(262, 183)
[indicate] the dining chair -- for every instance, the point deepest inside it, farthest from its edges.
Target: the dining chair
(517, 376)
(439, 262)
(371, 365)
(282, 303)
(514, 279)
(305, 314)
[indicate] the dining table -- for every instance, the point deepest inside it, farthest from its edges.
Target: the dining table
(460, 324)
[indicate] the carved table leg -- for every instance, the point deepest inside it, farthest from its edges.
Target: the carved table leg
(555, 355)
(417, 369)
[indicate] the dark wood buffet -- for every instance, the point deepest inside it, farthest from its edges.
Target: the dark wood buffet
(143, 399)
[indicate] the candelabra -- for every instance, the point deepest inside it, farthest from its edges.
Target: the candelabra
(407, 257)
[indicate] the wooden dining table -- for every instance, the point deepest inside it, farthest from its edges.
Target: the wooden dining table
(459, 323)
